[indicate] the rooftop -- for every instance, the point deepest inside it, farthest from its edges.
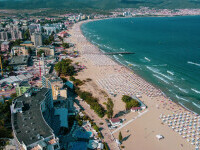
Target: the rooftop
(5, 43)
(24, 83)
(29, 126)
(27, 42)
(45, 46)
(54, 79)
(135, 108)
(19, 60)
(115, 120)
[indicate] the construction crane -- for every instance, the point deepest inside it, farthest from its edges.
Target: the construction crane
(1, 67)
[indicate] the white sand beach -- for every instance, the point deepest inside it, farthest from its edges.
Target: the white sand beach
(179, 132)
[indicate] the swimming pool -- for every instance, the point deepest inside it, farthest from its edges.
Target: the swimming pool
(81, 133)
(78, 146)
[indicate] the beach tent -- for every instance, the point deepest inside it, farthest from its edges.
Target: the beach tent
(159, 137)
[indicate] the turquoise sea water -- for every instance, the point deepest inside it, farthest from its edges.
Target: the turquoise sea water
(167, 51)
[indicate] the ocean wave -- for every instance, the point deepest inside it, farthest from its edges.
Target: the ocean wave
(162, 65)
(108, 48)
(185, 107)
(129, 63)
(170, 72)
(122, 49)
(193, 63)
(196, 91)
(153, 69)
(176, 86)
(182, 98)
(195, 104)
(120, 55)
(95, 35)
(183, 90)
(115, 57)
(162, 79)
(157, 72)
(147, 59)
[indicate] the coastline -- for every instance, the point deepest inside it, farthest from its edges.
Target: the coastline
(157, 105)
(132, 70)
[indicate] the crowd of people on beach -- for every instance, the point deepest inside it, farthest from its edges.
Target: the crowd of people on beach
(122, 81)
(128, 84)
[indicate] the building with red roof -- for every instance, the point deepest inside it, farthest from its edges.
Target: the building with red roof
(134, 109)
(115, 121)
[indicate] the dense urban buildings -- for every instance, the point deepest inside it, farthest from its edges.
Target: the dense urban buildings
(5, 46)
(36, 38)
(48, 50)
(22, 87)
(56, 84)
(19, 50)
(65, 106)
(30, 129)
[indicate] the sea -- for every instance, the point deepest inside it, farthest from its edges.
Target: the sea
(167, 52)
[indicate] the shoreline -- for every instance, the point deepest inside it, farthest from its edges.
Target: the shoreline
(132, 70)
(158, 105)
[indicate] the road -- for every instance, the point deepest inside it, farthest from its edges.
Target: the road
(108, 137)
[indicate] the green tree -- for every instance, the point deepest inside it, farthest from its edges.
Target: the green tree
(29, 51)
(65, 68)
(49, 40)
(26, 35)
(126, 98)
(96, 128)
(15, 43)
(13, 95)
(65, 45)
(39, 53)
(71, 78)
(120, 137)
(60, 38)
(130, 102)
(109, 107)
(93, 102)
(106, 146)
